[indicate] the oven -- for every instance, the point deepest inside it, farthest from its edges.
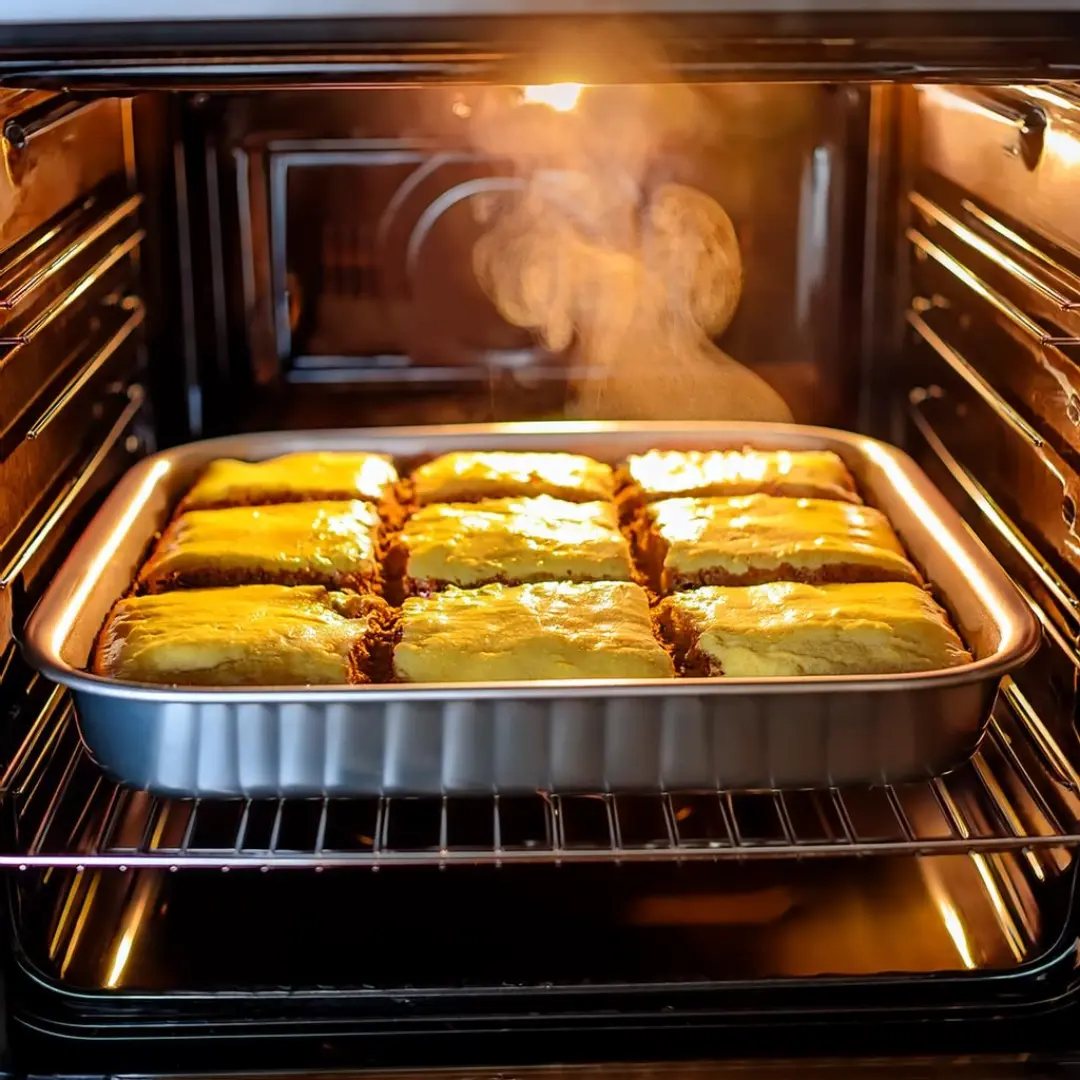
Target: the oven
(226, 217)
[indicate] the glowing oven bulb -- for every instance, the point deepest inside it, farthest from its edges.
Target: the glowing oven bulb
(561, 97)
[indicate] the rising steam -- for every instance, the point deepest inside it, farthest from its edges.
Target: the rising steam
(637, 274)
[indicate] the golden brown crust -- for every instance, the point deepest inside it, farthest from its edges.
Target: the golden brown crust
(476, 475)
(216, 579)
(266, 498)
(833, 574)
(631, 499)
(651, 548)
(150, 581)
(370, 659)
(535, 631)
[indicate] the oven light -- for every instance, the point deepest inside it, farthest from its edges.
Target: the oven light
(562, 97)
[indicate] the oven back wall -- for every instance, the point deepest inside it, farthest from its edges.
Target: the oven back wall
(331, 239)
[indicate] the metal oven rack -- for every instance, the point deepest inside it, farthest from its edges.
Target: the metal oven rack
(1018, 793)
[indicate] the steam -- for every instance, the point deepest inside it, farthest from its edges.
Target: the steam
(594, 251)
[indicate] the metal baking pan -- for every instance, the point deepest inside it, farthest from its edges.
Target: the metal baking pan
(619, 736)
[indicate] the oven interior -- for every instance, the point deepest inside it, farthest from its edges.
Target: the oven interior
(186, 262)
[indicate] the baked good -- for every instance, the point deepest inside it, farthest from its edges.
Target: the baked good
(466, 476)
(511, 541)
(788, 628)
(752, 539)
(250, 635)
(309, 543)
(670, 474)
(304, 477)
(547, 630)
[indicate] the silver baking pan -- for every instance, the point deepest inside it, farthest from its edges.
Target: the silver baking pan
(619, 736)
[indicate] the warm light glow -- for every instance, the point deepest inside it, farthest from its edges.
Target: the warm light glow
(973, 572)
(954, 926)
(561, 97)
(105, 555)
(123, 954)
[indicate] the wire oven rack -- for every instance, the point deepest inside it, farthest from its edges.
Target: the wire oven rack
(1017, 793)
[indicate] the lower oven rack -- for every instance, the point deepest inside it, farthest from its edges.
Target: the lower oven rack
(1018, 793)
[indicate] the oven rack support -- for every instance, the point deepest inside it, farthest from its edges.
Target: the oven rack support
(61, 811)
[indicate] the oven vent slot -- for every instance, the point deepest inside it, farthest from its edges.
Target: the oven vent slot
(1020, 792)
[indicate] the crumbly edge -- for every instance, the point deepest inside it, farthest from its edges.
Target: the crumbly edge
(680, 638)
(221, 579)
(839, 573)
(285, 495)
(428, 587)
(375, 665)
(648, 549)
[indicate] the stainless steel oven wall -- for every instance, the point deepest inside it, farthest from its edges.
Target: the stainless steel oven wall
(990, 383)
(330, 237)
(71, 328)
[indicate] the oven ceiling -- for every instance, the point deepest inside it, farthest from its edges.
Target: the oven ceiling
(67, 11)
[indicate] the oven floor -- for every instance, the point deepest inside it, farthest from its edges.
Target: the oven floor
(520, 926)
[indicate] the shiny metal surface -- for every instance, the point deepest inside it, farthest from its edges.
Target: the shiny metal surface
(518, 737)
(984, 141)
(101, 932)
(155, 10)
(1019, 794)
(67, 159)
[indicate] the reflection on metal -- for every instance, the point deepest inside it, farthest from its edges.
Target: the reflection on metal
(136, 914)
(361, 153)
(969, 373)
(190, 342)
(1016, 942)
(975, 140)
(20, 131)
(11, 297)
(938, 216)
(813, 246)
(1011, 312)
(89, 822)
(1066, 303)
(81, 919)
(950, 917)
(65, 301)
(1010, 533)
(53, 520)
(90, 369)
